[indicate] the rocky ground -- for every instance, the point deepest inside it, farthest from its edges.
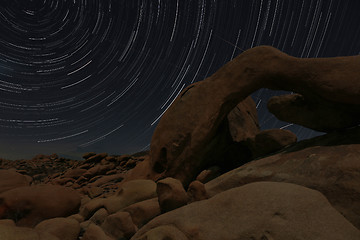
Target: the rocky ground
(211, 173)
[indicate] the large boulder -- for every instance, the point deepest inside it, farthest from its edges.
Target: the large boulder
(142, 212)
(11, 179)
(23, 233)
(263, 210)
(28, 206)
(63, 228)
(192, 130)
(328, 163)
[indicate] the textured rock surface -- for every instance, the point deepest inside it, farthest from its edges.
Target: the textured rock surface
(187, 132)
(11, 179)
(119, 225)
(209, 129)
(208, 174)
(170, 146)
(130, 192)
(23, 233)
(144, 211)
(166, 232)
(329, 164)
(62, 228)
(94, 232)
(243, 120)
(269, 141)
(196, 192)
(99, 216)
(316, 113)
(171, 194)
(30, 205)
(263, 210)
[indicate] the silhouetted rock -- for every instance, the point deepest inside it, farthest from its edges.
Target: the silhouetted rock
(314, 113)
(243, 120)
(269, 141)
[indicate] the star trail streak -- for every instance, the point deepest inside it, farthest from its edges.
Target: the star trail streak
(97, 75)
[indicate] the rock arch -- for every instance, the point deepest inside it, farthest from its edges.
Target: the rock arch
(188, 131)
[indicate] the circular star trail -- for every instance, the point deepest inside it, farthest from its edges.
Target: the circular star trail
(97, 75)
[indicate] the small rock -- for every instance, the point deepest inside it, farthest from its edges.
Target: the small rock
(84, 225)
(119, 225)
(110, 159)
(130, 163)
(98, 170)
(96, 158)
(94, 232)
(89, 154)
(171, 194)
(196, 192)
(53, 156)
(94, 192)
(77, 217)
(74, 173)
(208, 174)
(99, 216)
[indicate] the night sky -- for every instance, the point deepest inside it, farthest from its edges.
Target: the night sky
(96, 75)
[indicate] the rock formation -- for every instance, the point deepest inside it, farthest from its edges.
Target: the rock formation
(263, 210)
(211, 173)
(193, 130)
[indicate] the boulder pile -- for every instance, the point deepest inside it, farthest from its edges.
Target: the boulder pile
(211, 172)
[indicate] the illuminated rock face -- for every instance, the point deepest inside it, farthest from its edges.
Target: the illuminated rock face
(193, 130)
(28, 206)
(262, 210)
